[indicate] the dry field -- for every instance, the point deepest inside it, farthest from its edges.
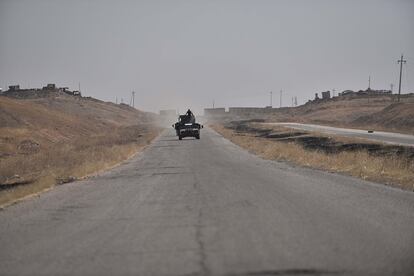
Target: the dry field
(391, 169)
(58, 139)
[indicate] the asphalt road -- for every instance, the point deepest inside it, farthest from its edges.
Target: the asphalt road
(206, 207)
(378, 136)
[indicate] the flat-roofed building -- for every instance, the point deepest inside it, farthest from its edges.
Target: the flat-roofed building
(220, 111)
(326, 95)
(14, 87)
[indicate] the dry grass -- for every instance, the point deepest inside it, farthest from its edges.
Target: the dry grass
(389, 170)
(75, 159)
(46, 140)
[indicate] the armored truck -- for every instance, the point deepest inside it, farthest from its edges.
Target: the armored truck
(187, 127)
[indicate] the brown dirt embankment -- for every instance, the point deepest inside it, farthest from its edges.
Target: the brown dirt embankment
(399, 116)
(374, 112)
(379, 113)
(61, 138)
(391, 165)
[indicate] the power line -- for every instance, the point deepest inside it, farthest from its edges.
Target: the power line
(401, 61)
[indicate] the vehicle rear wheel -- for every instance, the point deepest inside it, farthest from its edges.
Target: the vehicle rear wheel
(180, 137)
(197, 136)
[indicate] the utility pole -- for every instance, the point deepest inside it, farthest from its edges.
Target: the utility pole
(79, 87)
(369, 87)
(296, 101)
(116, 99)
(401, 61)
(392, 87)
(369, 83)
(281, 92)
(271, 99)
(213, 103)
(133, 98)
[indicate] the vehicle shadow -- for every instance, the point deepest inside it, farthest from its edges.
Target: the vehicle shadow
(184, 139)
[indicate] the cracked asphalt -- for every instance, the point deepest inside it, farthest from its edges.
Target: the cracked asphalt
(207, 207)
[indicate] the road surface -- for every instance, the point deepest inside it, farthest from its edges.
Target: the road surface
(378, 136)
(207, 207)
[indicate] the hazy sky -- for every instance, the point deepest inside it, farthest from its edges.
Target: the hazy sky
(179, 54)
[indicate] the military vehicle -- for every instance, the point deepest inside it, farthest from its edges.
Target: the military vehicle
(187, 127)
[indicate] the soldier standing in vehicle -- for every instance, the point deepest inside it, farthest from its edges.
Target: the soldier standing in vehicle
(190, 116)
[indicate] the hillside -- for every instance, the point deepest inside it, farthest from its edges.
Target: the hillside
(47, 140)
(395, 116)
(377, 112)
(380, 113)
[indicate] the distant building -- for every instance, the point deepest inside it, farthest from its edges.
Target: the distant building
(49, 86)
(249, 110)
(346, 92)
(214, 111)
(14, 87)
(17, 92)
(67, 91)
(244, 110)
(368, 92)
(378, 92)
(316, 97)
(326, 95)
